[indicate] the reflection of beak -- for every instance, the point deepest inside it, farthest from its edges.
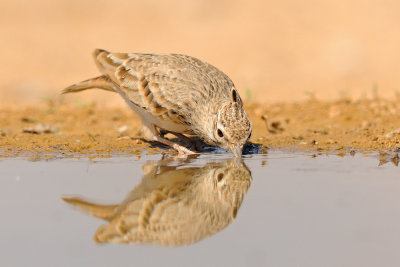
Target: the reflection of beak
(237, 151)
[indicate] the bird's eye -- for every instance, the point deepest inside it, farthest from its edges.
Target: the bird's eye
(220, 176)
(234, 95)
(220, 134)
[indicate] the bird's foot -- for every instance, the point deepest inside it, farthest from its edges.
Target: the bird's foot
(186, 140)
(181, 149)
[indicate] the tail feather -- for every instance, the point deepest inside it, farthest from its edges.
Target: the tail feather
(101, 82)
(105, 212)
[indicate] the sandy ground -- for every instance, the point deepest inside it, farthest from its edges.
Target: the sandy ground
(83, 129)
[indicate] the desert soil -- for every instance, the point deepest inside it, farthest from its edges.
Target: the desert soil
(341, 126)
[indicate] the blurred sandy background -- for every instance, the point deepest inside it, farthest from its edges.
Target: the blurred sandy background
(277, 50)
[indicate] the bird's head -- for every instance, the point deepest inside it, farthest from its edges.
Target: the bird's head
(228, 127)
(232, 128)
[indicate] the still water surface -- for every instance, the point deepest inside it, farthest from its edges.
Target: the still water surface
(279, 209)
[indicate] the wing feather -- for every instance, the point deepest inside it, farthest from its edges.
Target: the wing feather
(165, 85)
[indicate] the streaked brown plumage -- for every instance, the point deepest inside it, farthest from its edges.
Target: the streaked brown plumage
(175, 93)
(173, 206)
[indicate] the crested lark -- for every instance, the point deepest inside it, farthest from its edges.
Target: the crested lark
(177, 94)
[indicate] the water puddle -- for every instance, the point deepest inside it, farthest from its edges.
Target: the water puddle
(277, 209)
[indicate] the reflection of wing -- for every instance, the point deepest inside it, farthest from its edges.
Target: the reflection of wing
(174, 206)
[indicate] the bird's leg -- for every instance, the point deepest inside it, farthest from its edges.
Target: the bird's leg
(193, 144)
(150, 129)
(185, 139)
(177, 147)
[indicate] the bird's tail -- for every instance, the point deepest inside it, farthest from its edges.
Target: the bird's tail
(101, 82)
(100, 211)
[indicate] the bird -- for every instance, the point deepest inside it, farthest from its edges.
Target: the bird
(173, 205)
(177, 94)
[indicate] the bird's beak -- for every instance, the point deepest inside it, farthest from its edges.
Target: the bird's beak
(237, 151)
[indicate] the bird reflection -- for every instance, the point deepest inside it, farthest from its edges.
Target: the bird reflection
(173, 205)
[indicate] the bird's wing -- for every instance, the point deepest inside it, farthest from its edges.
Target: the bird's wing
(163, 83)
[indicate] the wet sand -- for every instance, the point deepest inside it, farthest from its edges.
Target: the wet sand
(75, 129)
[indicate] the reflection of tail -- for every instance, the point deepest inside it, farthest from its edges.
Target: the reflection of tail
(105, 212)
(101, 82)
